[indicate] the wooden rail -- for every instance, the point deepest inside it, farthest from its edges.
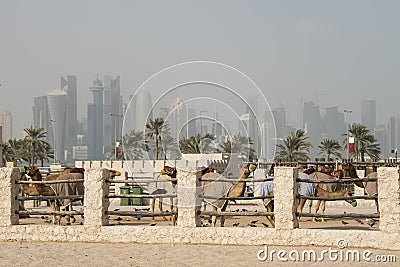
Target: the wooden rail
(336, 216)
(345, 180)
(140, 214)
(49, 197)
(233, 213)
(339, 198)
(50, 182)
(235, 198)
(140, 196)
(49, 212)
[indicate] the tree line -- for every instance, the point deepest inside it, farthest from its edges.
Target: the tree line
(157, 138)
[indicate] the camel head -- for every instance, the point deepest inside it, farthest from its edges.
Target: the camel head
(114, 173)
(208, 169)
(347, 193)
(245, 169)
(170, 171)
(33, 171)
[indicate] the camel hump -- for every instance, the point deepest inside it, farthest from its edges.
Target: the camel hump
(71, 176)
(212, 175)
(321, 176)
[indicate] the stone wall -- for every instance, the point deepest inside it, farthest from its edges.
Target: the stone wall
(285, 233)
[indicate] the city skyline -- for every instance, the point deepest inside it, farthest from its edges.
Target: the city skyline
(333, 53)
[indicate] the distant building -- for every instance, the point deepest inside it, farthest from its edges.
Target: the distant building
(69, 85)
(335, 126)
(182, 122)
(6, 122)
(368, 114)
(112, 105)
(80, 152)
(41, 117)
(57, 103)
(382, 139)
(94, 138)
(142, 109)
(313, 126)
(392, 131)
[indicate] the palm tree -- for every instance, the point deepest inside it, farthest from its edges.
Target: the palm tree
(364, 142)
(295, 147)
(17, 150)
(34, 141)
(330, 147)
(170, 147)
(197, 144)
(239, 144)
(133, 145)
(157, 129)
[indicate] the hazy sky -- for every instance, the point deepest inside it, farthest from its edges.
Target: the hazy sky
(340, 52)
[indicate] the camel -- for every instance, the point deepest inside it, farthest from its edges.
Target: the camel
(53, 190)
(330, 187)
(319, 192)
(171, 172)
(371, 188)
(308, 189)
(43, 189)
(225, 189)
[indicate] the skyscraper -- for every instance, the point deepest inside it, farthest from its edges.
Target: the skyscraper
(335, 126)
(6, 122)
(112, 105)
(392, 133)
(57, 103)
(41, 116)
(142, 109)
(313, 125)
(69, 85)
(368, 114)
(95, 122)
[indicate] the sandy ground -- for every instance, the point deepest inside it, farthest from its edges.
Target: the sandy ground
(101, 254)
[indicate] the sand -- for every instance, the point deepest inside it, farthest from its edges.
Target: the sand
(105, 254)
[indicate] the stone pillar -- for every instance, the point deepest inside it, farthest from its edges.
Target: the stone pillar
(95, 203)
(285, 201)
(389, 199)
(8, 193)
(189, 204)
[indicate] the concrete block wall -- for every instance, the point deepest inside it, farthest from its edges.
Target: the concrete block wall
(286, 233)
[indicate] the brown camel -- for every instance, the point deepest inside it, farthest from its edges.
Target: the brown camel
(171, 172)
(371, 188)
(43, 189)
(319, 192)
(50, 190)
(225, 189)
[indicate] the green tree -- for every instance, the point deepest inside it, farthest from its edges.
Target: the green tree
(197, 144)
(170, 148)
(330, 147)
(239, 144)
(364, 142)
(133, 145)
(295, 147)
(157, 129)
(35, 143)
